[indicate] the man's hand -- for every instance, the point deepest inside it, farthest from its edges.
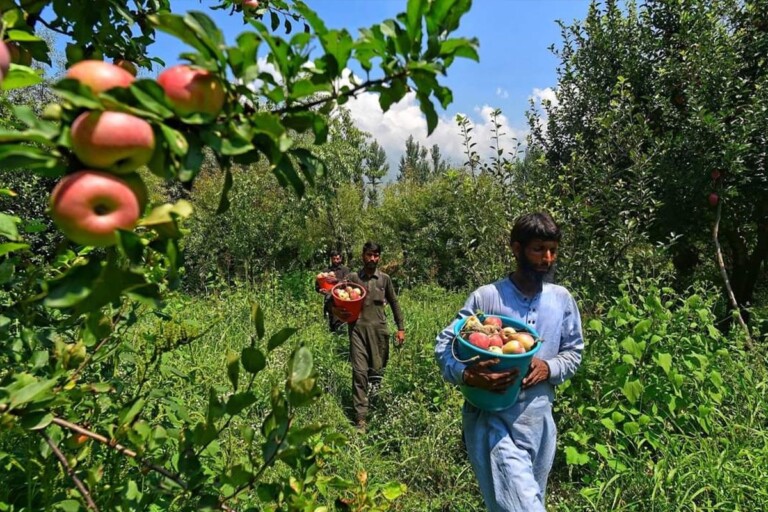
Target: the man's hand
(479, 375)
(538, 372)
(399, 338)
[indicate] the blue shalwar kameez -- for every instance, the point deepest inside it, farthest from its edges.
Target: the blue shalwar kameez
(511, 451)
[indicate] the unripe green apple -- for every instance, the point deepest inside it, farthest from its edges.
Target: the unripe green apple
(99, 75)
(5, 60)
(192, 90)
(88, 206)
(113, 141)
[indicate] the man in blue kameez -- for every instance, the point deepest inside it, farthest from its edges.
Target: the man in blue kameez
(511, 451)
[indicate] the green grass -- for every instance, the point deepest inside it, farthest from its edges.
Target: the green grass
(414, 433)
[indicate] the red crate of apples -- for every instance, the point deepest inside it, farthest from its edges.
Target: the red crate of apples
(349, 298)
(326, 280)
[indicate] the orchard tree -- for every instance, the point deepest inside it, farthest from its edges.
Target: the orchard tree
(658, 136)
(66, 389)
(376, 168)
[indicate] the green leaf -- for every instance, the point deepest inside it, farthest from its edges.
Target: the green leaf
(632, 347)
(257, 320)
(393, 490)
(224, 200)
(280, 337)
(253, 360)
(8, 227)
(575, 458)
(128, 414)
(68, 506)
(43, 161)
(21, 76)
(233, 368)
(633, 390)
(26, 390)
(75, 286)
(665, 361)
(239, 401)
(596, 325)
(194, 28)
(36, 420)
(301, 365)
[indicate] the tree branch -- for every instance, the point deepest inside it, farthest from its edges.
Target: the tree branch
(724, 274)
(71, 472)
(121, 449)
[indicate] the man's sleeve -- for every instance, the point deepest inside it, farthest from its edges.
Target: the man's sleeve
(452, 369)
(563, 366)
(391, 296)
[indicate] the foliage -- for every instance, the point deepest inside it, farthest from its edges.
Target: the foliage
(659, 106)
(658, 375)
(110, 408)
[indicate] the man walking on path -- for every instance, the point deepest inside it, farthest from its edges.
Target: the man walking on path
(511, 451)
(369, 334)
(341, 272)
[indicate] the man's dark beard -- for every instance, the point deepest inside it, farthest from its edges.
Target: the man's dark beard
(531, 272)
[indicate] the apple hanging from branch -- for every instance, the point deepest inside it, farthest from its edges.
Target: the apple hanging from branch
(88, 206)
(113, 141)
(192, 90)
(99, 75)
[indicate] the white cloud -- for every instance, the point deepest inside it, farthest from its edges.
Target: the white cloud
(546, 94)
(502, 93)
(391, 129)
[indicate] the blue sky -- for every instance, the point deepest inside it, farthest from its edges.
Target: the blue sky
(515, 65)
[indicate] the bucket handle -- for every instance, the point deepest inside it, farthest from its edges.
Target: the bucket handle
(456, 356)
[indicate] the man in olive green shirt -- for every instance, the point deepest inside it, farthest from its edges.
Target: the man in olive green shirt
(369, 334)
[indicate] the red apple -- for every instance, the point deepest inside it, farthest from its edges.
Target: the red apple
(713, 199)
(192, 90)
(100, 75)
(492, 320)
(715, 174)
(495, 341)
(126, 65)
(113, 141)
(5, 60)
(250, 4)
(480, 340)
(88, 206)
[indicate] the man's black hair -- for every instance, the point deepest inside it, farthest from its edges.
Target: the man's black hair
(333, 253)
(372, 246)
(535, 225)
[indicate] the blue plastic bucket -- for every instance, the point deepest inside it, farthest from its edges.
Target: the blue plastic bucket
(468, 353)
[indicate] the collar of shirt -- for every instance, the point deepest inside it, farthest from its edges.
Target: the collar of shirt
(362, 275)
(519, 295)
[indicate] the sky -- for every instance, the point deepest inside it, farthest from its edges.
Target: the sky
(516, 65)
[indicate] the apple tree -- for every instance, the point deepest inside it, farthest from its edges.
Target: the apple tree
(66, 394)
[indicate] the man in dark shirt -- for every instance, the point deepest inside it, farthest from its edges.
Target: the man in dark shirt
(369, 334)
(341, 272)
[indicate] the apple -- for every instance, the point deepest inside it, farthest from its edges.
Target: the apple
(495, 349)
(18, 54)
(512, 347)
(495, 341)
(526, 340)
(713, 199)
(88, 206)
(507, 333)
(480, 340)
(715, 174)
(250, 4)
(126, 65)
(493, 320)
(192, 90)
(113, 141)
(99, 75)
(5, 60)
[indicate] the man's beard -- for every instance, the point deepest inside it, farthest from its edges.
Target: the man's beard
(535, 274)
(371, 265)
